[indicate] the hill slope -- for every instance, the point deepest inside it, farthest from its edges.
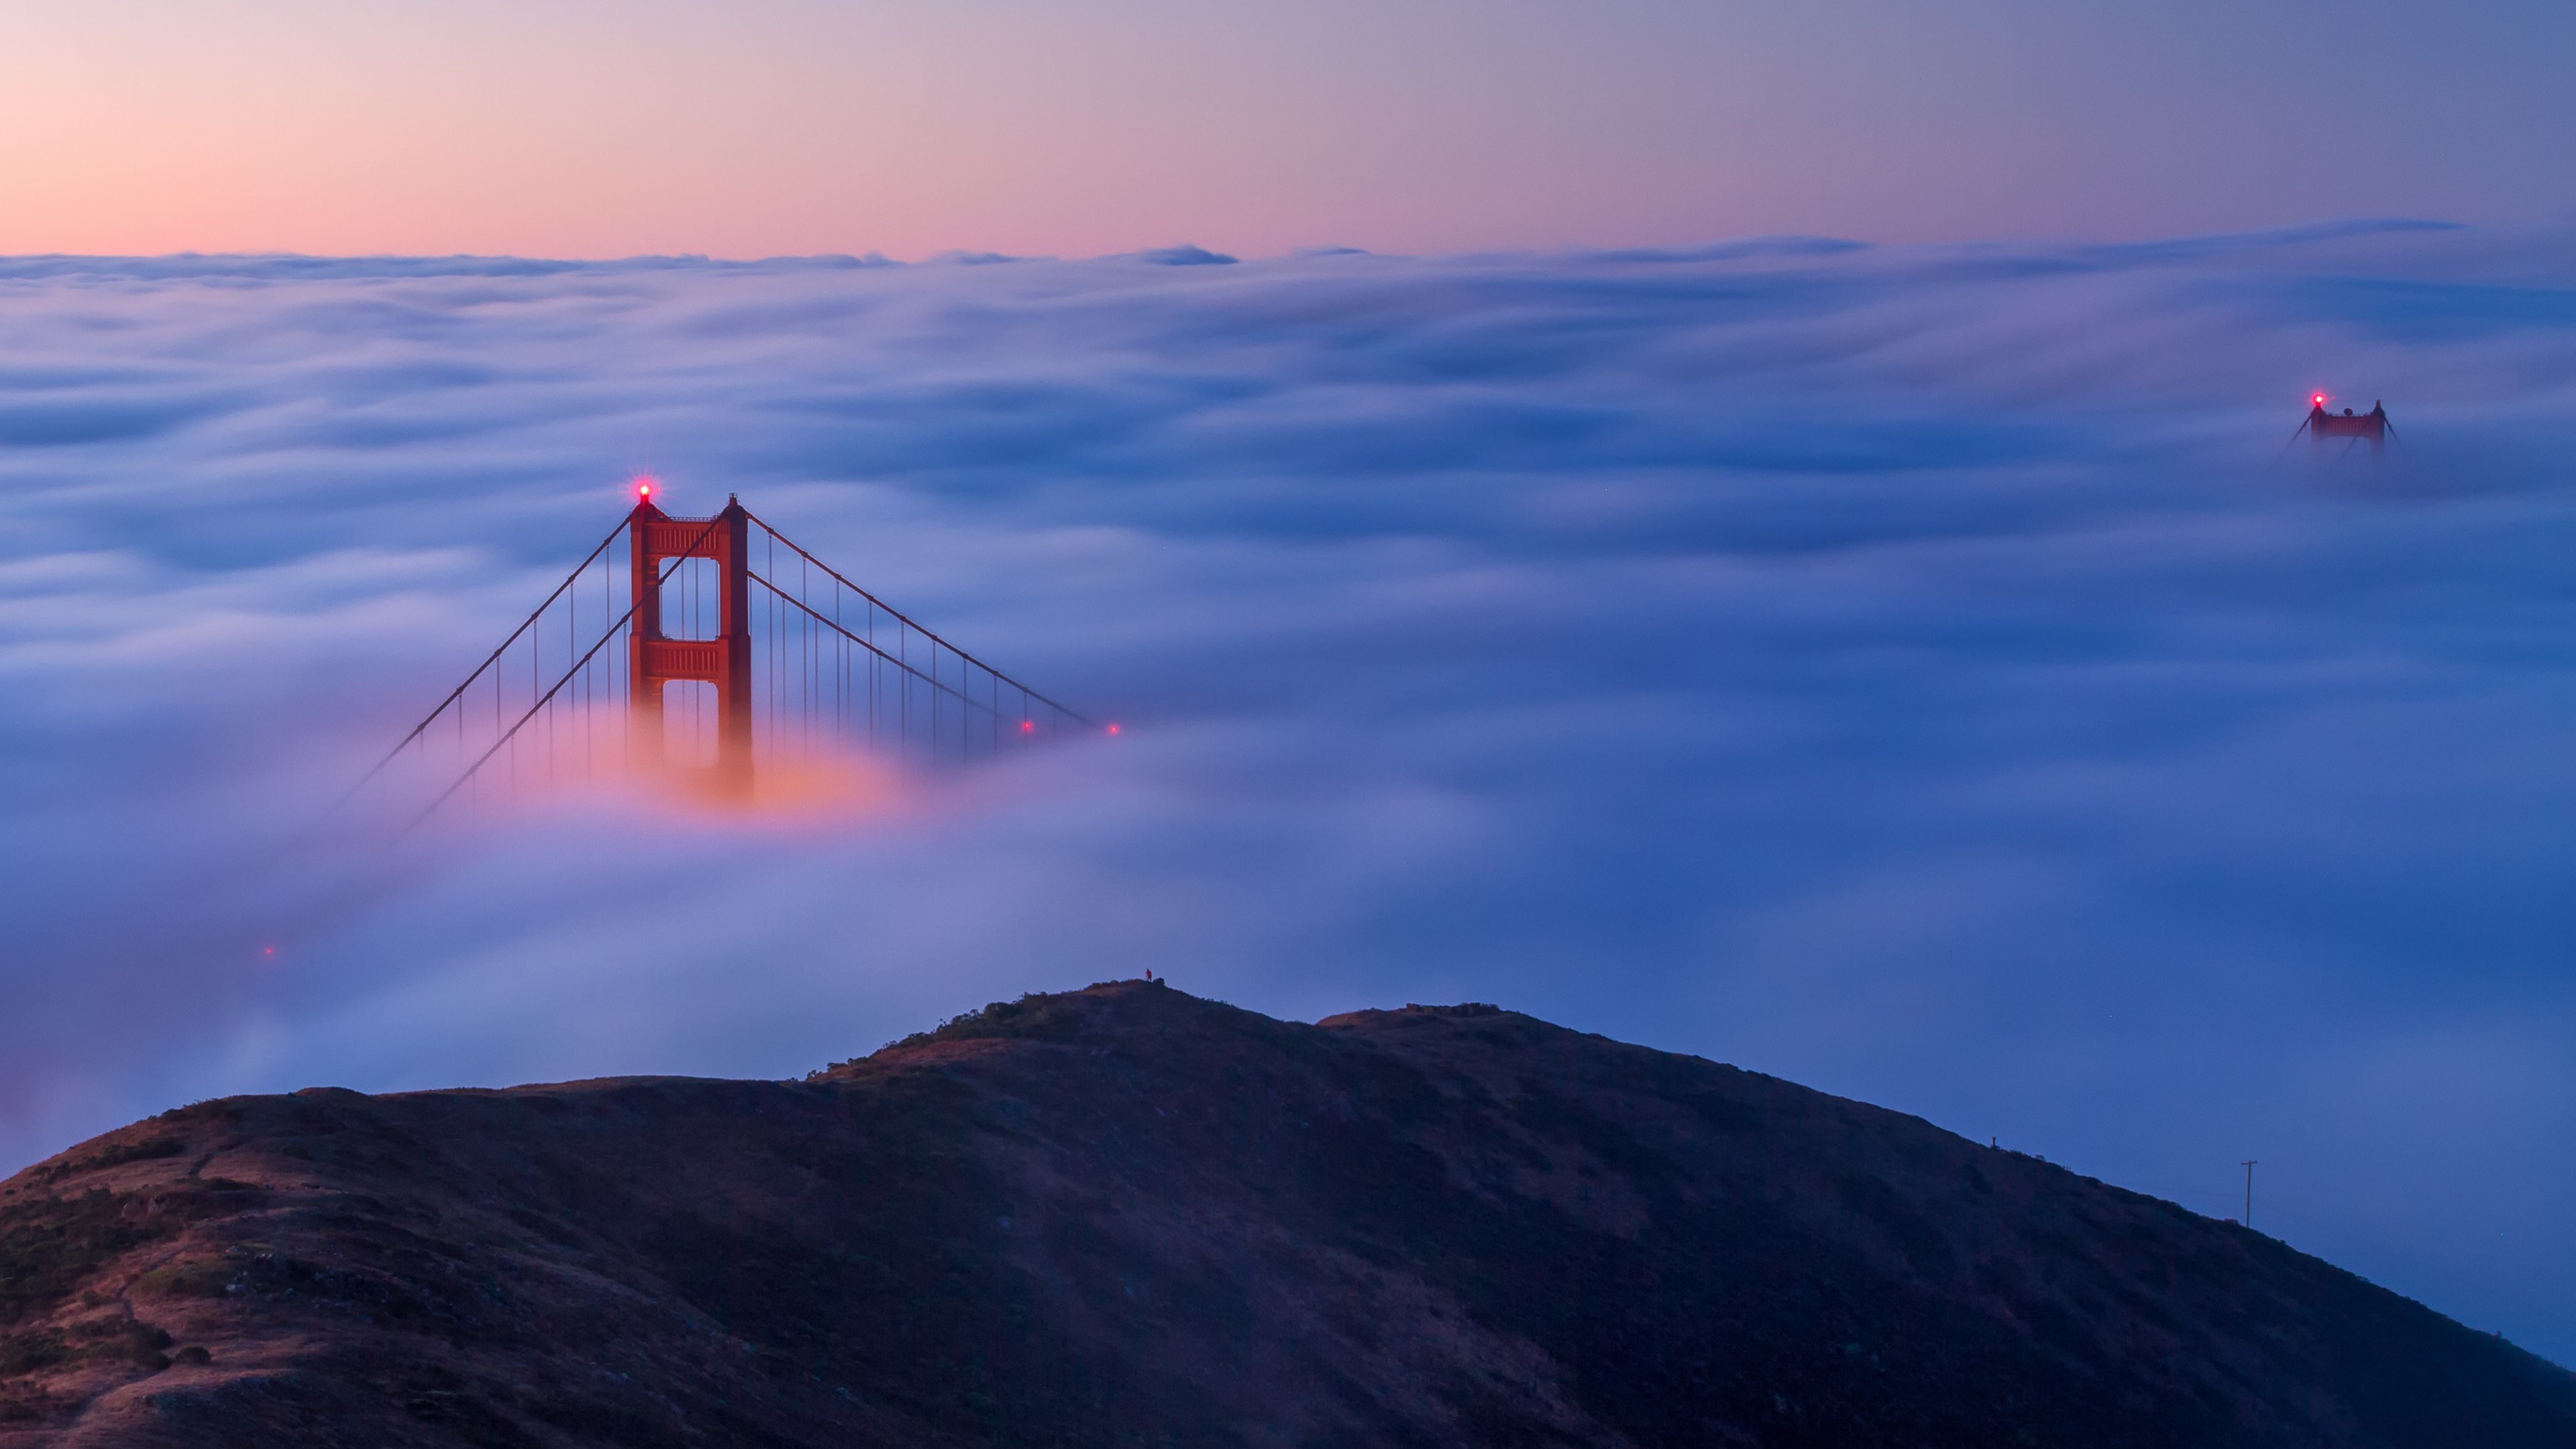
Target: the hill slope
(1127, 1216)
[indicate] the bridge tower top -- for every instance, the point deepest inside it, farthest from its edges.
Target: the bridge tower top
(2371, 427)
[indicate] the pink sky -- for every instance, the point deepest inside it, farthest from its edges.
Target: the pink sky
(908, 127)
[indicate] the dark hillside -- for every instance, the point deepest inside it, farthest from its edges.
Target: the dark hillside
(1128, 1216)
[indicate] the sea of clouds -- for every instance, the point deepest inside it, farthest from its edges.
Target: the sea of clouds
(1920, 673)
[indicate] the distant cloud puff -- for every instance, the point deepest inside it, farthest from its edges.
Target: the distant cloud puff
(1922, 672)
(1184, 256)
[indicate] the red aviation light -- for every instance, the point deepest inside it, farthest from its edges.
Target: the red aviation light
(644, 484)
(1113, 729)
(2318, 399)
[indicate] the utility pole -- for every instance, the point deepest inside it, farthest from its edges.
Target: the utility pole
(2248, 1165)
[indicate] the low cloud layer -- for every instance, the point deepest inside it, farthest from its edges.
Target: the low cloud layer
(1920, 673)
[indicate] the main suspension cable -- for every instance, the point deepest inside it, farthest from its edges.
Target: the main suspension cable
(941, 685)
(459, 691)
(909, 621)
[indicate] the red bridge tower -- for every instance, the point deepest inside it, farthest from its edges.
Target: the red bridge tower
(656, 660)
(2371, 427)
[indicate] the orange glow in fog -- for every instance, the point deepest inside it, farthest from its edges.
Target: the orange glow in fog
(788, 788)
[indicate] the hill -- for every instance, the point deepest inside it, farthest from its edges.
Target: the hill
(1126, 1216)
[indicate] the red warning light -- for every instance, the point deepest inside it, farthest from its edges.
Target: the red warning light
(1028, 727)
(2319, 400)
(645, 484)
(1113, 729)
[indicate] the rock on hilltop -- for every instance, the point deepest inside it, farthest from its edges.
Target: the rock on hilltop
(1125, 1216)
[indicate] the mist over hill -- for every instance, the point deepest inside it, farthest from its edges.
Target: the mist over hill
(1129, 1216)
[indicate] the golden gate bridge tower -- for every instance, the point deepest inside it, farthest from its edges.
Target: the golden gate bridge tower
(655, 660)
(697, 651)
(2371, 427)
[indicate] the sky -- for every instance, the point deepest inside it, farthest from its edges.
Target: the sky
(581, 128)
(1919, 672)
